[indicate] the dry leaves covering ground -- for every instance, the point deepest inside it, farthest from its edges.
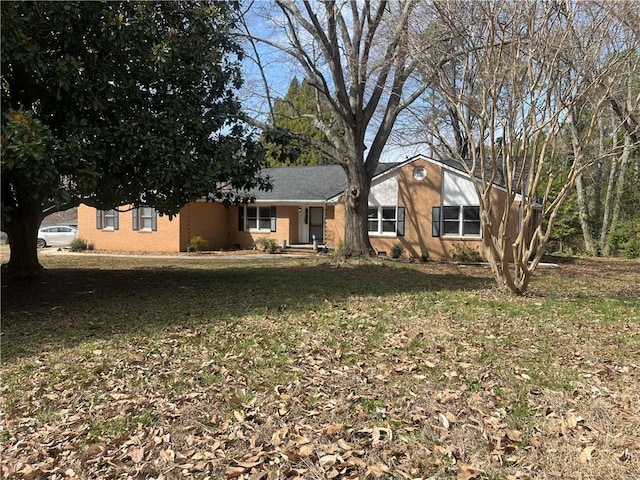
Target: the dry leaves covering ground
(285, 369)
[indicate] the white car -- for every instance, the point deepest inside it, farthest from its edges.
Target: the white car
(56, 235)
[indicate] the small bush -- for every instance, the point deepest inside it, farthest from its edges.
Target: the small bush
(198, 243)
(266, 244)
(626, 241)
(91, 246)
(78, 245)
(462, 253)
(424, 257)
(396, 250)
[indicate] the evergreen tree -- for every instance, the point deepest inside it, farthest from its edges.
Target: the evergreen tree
(294, 121)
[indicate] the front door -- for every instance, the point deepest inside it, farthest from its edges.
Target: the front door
(303, 225)
(316, 224)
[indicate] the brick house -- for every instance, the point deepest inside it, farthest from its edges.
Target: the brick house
(423, 204)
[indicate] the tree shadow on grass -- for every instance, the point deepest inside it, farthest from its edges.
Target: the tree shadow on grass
(70, 306)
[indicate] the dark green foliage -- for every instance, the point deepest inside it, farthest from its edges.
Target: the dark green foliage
(111, 103)
(567, 235)
(266, 244)
(464, 254)
(396, 250)
(626, 239)
(293, 116)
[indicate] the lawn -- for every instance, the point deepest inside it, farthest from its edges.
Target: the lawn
(117, 367)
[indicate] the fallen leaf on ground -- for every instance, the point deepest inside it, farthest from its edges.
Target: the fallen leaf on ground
(585, 455)
(467, 472)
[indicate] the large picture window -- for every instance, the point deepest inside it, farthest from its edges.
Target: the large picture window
(257, 218)
(456, 221)
(386, 221)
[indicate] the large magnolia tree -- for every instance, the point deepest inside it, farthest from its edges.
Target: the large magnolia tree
(510, 82)
(357, 55)
(112, 103)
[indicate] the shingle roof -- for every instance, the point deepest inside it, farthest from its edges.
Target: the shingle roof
(305, 184)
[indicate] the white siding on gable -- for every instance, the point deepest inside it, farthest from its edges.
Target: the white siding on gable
(384, 192)
(458, 190)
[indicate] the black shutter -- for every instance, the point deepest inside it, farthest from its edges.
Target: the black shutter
(273, 219)
(435, 221)
(116, 219)
(154, 220)
(400, 227)
(99, 223)
(135, 219)
(240, 218)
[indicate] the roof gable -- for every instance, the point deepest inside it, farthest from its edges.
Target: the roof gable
(326, 183)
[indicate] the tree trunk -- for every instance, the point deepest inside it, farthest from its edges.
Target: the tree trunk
(597, 182)
(617, 202)
(22, 230)
(608, 202)
(583, 215)
(589, 243)
(356, 205)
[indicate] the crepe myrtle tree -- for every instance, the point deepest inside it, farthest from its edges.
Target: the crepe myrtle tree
(357, 55)
(514, 79)
(113, 103)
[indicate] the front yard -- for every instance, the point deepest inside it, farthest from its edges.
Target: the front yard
(288, 368)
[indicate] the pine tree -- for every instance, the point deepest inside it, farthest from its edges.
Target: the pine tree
(294, 116)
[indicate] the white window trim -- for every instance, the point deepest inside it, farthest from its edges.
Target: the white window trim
(246, 218)
(380, 233)
(112, 216)
(149, 217)
(460, 223)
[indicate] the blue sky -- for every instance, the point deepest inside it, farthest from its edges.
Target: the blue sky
(279, 69)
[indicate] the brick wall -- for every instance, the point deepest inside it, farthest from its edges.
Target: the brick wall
(165, 239)
(418, 197)
(208, 220)
(286, 228)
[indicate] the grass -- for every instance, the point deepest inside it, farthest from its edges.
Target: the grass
(141, 367)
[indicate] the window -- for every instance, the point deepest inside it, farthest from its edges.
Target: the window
(373, 220)
(435, 222)
(107, 220)
(419, 173)
(456, 221)
(386, 221)
(252, 218)
(257, 218)
(264, 218)
(451, 220)
(144, 218)
(471, 221)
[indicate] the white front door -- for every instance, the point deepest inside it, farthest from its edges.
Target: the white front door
(303, 224)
